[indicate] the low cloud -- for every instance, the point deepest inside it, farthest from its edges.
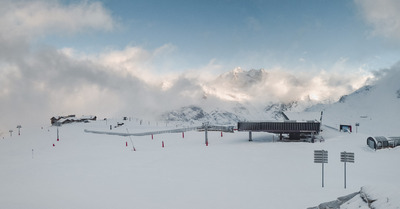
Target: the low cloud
(280, 85)
(49, 82)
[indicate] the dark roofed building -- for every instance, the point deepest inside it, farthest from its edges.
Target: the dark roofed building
(294, 128)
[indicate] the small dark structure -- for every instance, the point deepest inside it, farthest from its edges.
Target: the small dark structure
(118, 125)
(70, 119)
(346, 128)
(295, 129)
(381, 142)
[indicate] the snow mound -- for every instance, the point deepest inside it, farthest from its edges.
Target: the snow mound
(375, 197)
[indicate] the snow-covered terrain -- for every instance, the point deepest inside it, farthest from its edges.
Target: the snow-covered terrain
(84, 170)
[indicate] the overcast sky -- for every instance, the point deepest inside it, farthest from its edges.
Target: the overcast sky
(109, 57)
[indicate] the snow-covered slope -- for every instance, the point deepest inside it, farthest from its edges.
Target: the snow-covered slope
(375, 107)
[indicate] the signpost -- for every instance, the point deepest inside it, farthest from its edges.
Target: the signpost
(321, 156)
(357, 124)
(346, 157)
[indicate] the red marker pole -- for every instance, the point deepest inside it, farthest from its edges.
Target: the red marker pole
(162, 144)
(183, 134)
(126, 143)
(152, 137)
(221, 134)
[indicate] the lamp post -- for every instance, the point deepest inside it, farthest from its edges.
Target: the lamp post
(19, 129)
(205, 125)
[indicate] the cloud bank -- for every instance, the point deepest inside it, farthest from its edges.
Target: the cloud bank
(39, 82)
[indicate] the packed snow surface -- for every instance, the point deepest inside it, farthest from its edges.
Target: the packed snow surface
(84, 170)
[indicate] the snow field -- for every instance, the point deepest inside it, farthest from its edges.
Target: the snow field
(86, 170)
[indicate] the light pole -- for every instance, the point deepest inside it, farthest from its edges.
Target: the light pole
(19, 129)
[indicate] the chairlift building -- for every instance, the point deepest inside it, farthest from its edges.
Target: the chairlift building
(293, 128)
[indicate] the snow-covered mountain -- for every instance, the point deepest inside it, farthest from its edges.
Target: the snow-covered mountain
(195, 115)
(374, 105)
(245, 95)
(376, 102)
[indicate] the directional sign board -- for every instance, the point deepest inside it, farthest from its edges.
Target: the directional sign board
(347, 157)
(320, 156)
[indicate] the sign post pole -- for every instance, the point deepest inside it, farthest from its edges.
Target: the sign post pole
(321, 156)
(323, 159)
(345, 175)
(322, 174)
(346, 157)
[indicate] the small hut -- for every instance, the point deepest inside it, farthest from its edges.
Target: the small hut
(381, 142)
